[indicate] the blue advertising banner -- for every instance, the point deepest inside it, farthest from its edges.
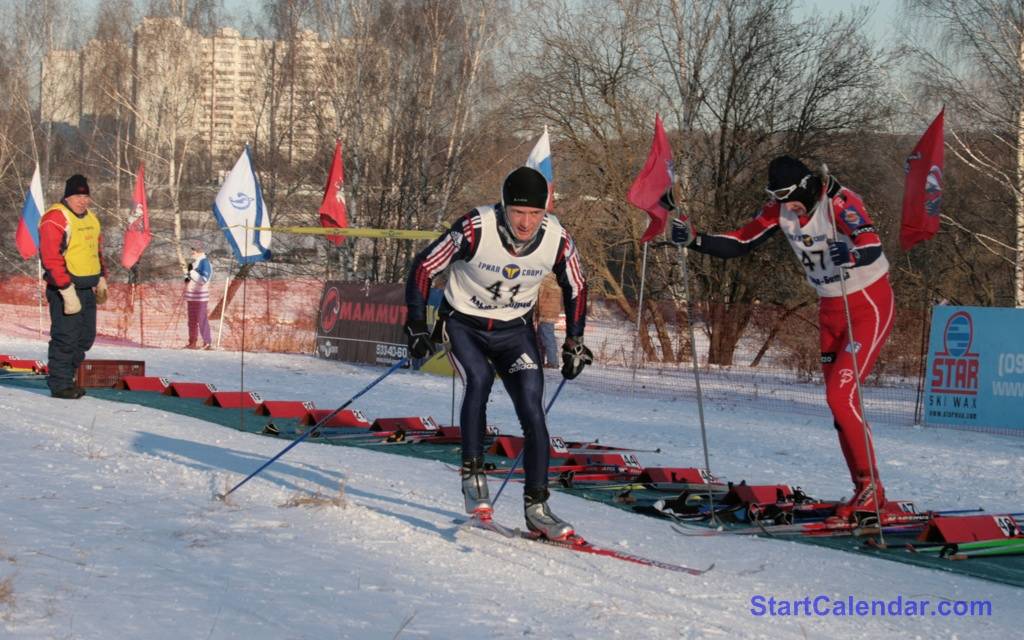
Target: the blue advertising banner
(975, 375)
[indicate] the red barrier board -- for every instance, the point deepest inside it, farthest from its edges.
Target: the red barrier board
(285, 409)
(142, 383)
(346, 418)
(190, 390)
(234, 400)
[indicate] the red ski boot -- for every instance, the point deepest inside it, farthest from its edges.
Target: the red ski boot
(866, 500)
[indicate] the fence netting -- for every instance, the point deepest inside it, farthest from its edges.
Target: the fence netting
(774, 364)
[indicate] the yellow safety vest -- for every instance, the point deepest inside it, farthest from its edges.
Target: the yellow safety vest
(82, 254)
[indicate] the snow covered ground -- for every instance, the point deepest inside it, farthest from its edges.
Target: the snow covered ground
(108, 528)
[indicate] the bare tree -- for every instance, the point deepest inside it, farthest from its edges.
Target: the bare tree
(976, 66)
(406, 84)
(166, 106)
(742, 81)
(28, 30)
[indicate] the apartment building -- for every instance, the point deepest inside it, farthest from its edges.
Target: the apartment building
(215, 93)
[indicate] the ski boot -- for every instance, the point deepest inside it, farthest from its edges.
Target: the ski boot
(474, 488)
(866, 501)
(539, 518)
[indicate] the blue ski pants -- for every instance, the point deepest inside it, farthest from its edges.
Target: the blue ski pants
(479, 350)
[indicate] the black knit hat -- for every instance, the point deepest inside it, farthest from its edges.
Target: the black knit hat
(787, 171)
(76, 186)
(525, 187)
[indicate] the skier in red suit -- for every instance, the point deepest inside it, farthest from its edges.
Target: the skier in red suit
(797, 209)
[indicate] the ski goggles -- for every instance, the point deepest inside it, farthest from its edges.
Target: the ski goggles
(785, 192)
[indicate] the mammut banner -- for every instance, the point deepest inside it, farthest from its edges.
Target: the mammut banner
(975, 375)
(361, 323)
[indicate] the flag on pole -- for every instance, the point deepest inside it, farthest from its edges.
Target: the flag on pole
(137, 234)
(651, 189)
(922, 193)
(27, 236)
(540, 159)
(240, 211)
(333, 212)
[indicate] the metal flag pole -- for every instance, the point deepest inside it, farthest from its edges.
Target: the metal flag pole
(696, 377)
(639, 312)
(223, 309)
(39, 293)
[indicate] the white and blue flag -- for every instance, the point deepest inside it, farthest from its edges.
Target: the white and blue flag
(240, 211)
(540, 159)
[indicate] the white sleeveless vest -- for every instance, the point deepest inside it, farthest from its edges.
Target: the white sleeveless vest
(810, 243)
(496, 284)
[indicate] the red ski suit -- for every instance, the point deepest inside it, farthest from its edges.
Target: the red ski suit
(868, 291)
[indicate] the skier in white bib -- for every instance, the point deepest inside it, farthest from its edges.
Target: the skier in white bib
(497, 256)
(846, 245)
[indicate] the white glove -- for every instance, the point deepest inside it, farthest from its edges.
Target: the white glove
(72, 304)
(101, 291)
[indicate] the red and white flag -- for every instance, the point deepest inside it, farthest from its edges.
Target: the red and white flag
(333, 212)
(655, 179)
(922, 195)
(137, 234)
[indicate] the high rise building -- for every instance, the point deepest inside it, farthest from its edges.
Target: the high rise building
(212, 93)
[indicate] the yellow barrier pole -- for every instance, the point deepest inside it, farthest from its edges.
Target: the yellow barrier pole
(356, 232)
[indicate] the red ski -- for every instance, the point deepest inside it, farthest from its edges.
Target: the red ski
(894, 523)
(577, 543)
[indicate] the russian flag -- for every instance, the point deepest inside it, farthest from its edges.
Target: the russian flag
(540, 159)
(27, 237)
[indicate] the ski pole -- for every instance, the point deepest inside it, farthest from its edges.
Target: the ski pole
(853, 347)
(696, 376)
(403, 361)
(515, 463)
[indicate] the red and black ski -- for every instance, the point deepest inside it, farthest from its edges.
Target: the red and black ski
(577, 543)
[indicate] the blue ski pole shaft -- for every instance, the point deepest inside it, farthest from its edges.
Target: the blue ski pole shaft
(323, 420)
(519, 458)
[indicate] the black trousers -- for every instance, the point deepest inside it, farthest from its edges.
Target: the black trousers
(70, 336)
(511, 352)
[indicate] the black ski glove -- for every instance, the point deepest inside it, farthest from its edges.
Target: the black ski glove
(419, 338)
(841, 254)
(575, 356)
(682, 233)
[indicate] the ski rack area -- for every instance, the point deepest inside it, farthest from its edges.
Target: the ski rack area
(989, 546)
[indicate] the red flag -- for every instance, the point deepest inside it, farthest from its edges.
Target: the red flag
(333, 212)
(137, 234)
(922, 194)
(655, 179)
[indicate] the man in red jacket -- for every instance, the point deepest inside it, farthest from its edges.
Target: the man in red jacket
(845, 247)
(70, 244)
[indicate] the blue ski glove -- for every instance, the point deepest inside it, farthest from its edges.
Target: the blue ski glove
(841, 254)
(575, 356)
(682, 231)
(419, 340)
